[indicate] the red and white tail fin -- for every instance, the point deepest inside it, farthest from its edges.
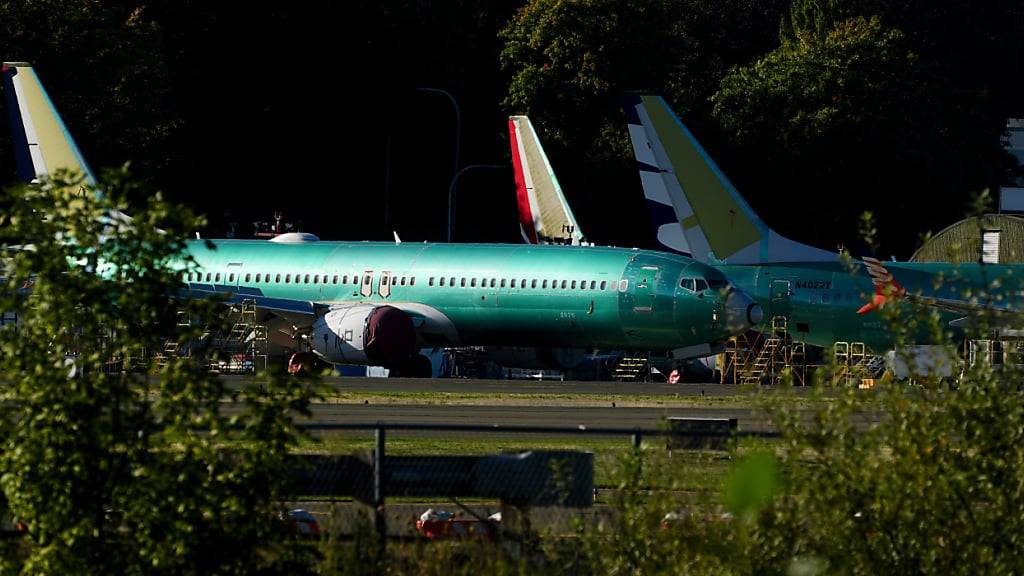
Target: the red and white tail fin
(886, 286)
(544, 215)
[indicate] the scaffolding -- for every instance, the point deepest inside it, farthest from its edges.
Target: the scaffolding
(853, 364)
(633, 367)
(762, 358)
(243, 346)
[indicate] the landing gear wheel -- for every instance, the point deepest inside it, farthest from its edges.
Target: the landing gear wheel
(418, 366)
(302, 363)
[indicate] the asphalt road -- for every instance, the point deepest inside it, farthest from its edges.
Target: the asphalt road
(568, 417)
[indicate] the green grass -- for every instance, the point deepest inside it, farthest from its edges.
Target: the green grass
(745, 401)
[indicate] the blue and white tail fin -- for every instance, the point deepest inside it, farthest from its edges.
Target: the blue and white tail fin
(694, 207)
(42, 144)
(544, 215)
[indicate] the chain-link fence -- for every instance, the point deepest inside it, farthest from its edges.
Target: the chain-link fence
(450, 481)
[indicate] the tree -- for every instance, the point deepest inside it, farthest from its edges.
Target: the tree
(570, 61)
(846, 111)
(104, 66)
(114, 471)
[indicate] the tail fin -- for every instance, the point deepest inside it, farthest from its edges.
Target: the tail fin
(886, 286)
(42, 143)
(711, 220)
(544, 215)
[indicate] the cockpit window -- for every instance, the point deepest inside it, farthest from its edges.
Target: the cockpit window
(688, 283)
(702, 285)
(716, 283)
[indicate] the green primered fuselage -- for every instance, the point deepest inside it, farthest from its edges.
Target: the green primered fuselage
(514, 295)
(820, 300)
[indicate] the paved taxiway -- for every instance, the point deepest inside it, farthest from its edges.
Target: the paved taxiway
(493, 411)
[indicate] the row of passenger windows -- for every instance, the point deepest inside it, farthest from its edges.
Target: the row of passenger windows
(523, 283)
(450, 281)
(288, 278)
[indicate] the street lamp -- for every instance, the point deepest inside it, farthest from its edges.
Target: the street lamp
(458, 135)
(454, 186)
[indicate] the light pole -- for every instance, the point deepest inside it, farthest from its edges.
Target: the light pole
(458, 135)
(453, 187)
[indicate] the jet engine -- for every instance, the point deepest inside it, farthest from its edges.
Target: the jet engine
(364, 334)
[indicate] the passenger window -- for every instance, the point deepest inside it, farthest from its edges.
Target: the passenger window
(623, 285)
(593, 284)
(462, 282)
(316, 278)
(472, 283)
(564, 284)
(451, 282)
(573, 284)
(543, 284)
(604, 284)
(502, 282)
(430, 281)
(258, 278)
(305, 279)
(441, 282)
(216, 278)
(231, 277)
(334, 280)
(287, 278)
(401, 282)
(248, 277)
(534, 284)
(412, 281)
(513, 282)
(277, 279)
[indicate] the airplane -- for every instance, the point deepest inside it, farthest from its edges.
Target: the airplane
(379, 303)
(699, 213)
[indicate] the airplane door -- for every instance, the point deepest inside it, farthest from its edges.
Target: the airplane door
(646, 284)
(781, 290)
(384, 286)
(366, 285)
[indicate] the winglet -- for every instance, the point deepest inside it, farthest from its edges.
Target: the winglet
(42, 143)
(544, 214)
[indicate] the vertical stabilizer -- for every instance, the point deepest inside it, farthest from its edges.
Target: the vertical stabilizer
(42, 144)
(544, 215)
(695, 208)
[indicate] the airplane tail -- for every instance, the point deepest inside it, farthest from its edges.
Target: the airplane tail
(544, 215)
(886, 286)
(694, 207)
(42, 144)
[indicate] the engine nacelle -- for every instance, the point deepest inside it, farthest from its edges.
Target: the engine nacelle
(364, 334)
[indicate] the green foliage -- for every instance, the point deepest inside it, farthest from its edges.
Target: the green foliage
(121, 472)
(570, 60)
(103, 64)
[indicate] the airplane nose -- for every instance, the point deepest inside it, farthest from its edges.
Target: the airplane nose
(741, 312)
